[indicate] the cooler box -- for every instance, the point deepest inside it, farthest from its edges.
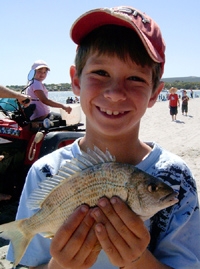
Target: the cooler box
(74, 117)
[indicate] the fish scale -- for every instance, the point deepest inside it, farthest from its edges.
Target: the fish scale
(83, 180)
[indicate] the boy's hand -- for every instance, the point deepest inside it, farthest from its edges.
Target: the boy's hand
(75, 245)
(121, 233)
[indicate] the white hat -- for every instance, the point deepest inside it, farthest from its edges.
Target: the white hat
(39, 64)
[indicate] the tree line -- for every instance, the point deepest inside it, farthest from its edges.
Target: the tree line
(67, 86)
(183, 85)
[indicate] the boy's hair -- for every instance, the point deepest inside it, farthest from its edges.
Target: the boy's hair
(120, 41)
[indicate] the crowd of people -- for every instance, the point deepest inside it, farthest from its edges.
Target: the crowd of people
(71, 100)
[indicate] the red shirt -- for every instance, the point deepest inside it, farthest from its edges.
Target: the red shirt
(173, 99)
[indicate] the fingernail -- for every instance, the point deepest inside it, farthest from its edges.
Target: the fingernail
(98, 228)
(113, 200)
(103, 203)
(96, 212)
(84, 209)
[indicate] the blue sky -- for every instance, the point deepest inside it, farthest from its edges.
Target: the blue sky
(39, 29)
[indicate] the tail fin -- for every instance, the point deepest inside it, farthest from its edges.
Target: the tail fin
(19, 239)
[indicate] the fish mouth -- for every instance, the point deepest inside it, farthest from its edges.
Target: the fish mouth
(170, 198)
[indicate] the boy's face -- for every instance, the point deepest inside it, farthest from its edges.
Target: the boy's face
(41, 74)
(114, 94)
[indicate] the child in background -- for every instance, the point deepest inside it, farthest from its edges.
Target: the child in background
(173, 103)
(37, 90)
(185, 100)
(117, 75)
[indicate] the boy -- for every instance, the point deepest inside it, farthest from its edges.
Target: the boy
(173, 103)
(185, 100)
(119, 62)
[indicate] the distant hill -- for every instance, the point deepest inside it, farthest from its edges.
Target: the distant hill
(182, 79)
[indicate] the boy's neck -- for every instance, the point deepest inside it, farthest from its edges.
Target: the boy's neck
(132, 152)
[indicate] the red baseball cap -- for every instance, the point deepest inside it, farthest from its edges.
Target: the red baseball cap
(146, 28)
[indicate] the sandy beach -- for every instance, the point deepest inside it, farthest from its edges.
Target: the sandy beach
(180, 137)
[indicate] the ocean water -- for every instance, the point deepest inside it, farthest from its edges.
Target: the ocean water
(61, 97)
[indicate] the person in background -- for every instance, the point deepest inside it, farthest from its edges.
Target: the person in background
(173, 103)
(8, 93)
(185, 100)
(191, 93)
(37, 90)
(117, 75)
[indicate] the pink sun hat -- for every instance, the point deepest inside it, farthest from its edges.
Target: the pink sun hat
(146, 28)
(39, 64)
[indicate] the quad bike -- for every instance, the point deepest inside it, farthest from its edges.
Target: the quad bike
(22, 142)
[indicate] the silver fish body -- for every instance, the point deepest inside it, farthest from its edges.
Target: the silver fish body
(83, 181)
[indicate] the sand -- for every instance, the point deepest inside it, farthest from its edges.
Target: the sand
(180, 137)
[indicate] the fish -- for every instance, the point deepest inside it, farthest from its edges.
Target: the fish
(83, 180)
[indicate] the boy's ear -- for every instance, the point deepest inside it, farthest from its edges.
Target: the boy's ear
(155, 94)
(74, 81)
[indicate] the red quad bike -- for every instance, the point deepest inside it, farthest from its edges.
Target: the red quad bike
(22, 142)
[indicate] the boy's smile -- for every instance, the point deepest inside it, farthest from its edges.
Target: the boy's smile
(110, 112)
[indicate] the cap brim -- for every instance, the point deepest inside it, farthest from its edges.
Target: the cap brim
(42, 66)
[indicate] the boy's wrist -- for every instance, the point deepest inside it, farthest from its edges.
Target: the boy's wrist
(147, 261)
(133, 263)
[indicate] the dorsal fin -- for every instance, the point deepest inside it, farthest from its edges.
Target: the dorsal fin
(75, 165)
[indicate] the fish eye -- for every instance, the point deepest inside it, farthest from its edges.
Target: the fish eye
(152, 187)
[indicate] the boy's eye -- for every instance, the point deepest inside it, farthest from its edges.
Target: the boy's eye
(100, 72)
(136, 79)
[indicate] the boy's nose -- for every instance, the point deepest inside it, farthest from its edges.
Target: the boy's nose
(115, 94)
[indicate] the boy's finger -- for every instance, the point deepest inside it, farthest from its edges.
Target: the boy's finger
(132, 221)
(109, 244)
(67, 229)
(89, 249)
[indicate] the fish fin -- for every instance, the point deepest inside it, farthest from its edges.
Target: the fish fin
(78, 164)
(47, 235)
(99, 156)
(12, 231)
